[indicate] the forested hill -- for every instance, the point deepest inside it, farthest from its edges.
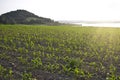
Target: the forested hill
(23, 17)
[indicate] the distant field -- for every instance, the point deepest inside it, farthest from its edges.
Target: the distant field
(59, 53)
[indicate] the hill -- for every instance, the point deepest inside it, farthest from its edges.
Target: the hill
(23, 17)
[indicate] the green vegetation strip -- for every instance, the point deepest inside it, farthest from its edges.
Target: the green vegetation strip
(34, 52)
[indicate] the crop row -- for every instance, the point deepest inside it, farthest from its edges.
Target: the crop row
(59, 53)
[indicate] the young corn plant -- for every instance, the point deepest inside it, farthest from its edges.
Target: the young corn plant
(36, 62)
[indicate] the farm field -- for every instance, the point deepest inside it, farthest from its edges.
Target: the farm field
(39, 52)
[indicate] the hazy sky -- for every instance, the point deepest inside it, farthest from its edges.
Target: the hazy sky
(67, 9)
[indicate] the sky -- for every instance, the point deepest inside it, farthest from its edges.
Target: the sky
(85, 10)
